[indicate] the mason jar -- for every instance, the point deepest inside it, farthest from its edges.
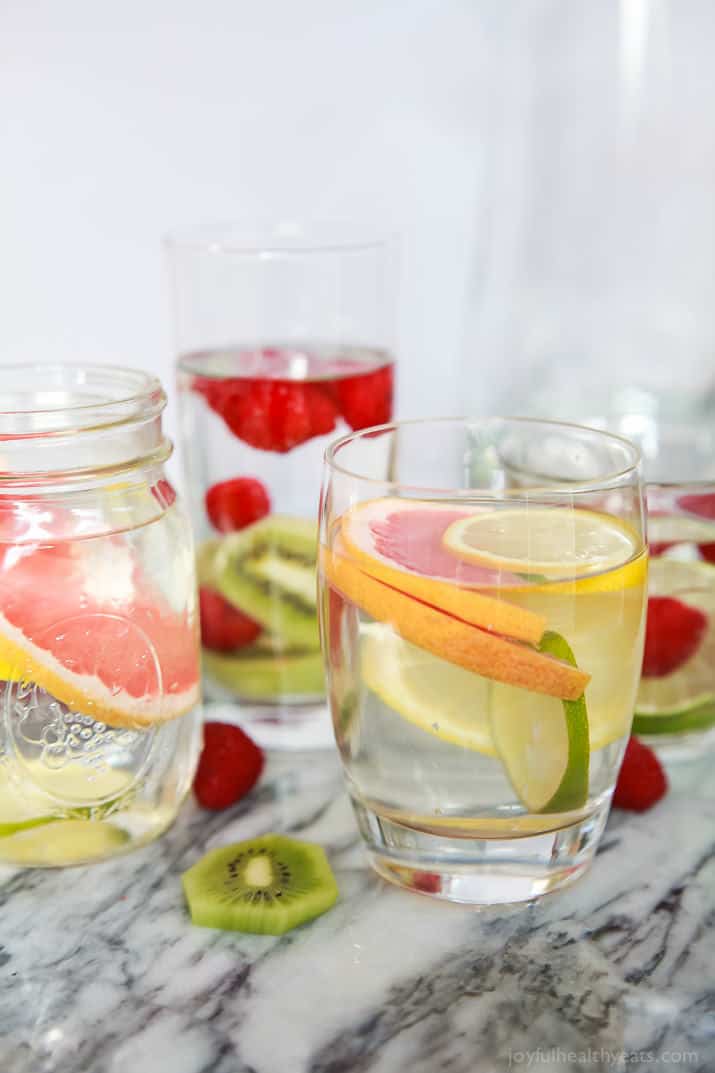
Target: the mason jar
(99, 654)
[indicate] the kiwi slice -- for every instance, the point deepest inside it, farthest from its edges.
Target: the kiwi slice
(256, 673)
(268, 571)
(267, 885)
(205, 559)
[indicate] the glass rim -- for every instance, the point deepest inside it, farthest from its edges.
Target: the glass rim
(293, 237)
(142, 397)
(602, 482)
(671, 486)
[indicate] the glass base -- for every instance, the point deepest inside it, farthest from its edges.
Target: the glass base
(276, 726)
(480, 871)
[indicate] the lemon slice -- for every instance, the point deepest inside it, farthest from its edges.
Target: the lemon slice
(438, 697)
(685, 699)
(543, 742)
(552, 542)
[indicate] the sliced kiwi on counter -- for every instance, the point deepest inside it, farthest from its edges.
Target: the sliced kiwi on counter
(268, 571)
(267, 885)
(256, 673)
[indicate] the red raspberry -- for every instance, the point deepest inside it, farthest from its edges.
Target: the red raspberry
(271, 415)
(323, 411)
(700, 503)
(229, 766)
(641, 780)
(708, 552)
(429, 882)
(278, 415)
(674, 632)
(366, 399)
(213, 390)
(237, 503)
(163, 493)
(223, 627)
(657, 547)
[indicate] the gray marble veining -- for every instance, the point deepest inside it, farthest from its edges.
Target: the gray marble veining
(102, 972)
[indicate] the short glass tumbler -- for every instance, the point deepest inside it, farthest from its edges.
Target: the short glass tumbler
(99, 654)
(482, 597)
(285, 338)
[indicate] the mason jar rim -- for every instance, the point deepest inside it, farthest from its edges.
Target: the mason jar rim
(300, 238)
(601, 482)
(139, 396)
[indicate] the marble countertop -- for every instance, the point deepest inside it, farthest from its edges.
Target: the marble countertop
(102, 972)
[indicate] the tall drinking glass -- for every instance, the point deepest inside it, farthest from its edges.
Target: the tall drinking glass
(285, 338)
(482, 596)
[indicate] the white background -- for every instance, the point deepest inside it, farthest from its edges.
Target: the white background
(122, 121)
(591, 242)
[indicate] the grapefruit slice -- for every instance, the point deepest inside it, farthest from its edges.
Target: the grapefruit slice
(79, 619)
(400, 542)
(450, 638)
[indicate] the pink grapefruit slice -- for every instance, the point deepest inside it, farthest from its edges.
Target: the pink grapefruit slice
(79, 619)
(400, 542)
(450, 638)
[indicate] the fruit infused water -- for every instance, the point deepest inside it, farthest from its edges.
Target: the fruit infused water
(483, 655)
(99, 658)
(675, 706)
(256, 423)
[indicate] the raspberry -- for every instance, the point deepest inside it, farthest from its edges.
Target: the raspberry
(237, 503)
(277, 415)
(163, 492)
(223, 627)
(658, 547)
(366, 399)
(674, 632)
(213, 390)
(429, 882)
(641, 780)
(708, 552)
(700, 503)
(229, 766)
(323, 411)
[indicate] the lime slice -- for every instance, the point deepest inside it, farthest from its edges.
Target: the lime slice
(552, 542)
(439, 697)
(685, 699)
(7, 829)
(65, 842)
(543, 742)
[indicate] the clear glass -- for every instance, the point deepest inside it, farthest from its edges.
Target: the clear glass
(482, 596)
(99, 654)
(593, 263)
(675, 706)
(285, 338)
